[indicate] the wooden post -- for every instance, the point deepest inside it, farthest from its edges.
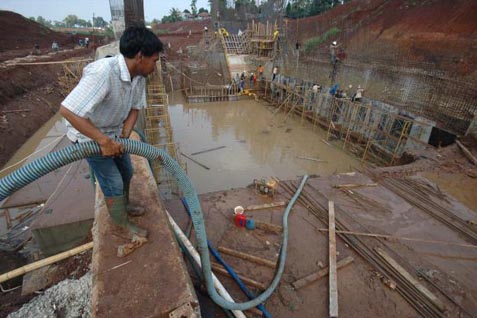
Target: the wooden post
(332, 259)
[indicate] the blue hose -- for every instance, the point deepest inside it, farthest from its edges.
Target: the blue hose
(54, 160)
(232, 273)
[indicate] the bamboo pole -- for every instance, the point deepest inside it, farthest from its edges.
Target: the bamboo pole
(466, 152)
(46, 261)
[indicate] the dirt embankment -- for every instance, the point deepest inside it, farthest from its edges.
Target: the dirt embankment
(180, 35)
(440, 33)
(29, 95)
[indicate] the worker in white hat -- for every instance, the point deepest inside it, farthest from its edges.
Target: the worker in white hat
(333, 47)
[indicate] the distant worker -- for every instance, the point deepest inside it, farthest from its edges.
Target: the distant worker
(251, 79)
(96, 109)
(359, 94)
(37, 49)
(206, 29)
(55, 47)
(333, 46)
(86, 42)
(237, 78)
(260, 72)
(274, 73)
(242, 84)
(81, 42)
(334, 89)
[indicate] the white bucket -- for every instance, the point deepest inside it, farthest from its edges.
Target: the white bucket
(238, 210)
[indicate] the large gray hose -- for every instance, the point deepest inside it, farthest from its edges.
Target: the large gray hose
(67, 155)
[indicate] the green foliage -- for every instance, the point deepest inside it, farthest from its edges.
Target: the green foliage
(193, 7)
(174, 15)
(203, 10)
(99, 22)
(304, 8)
(313, 43)
(71, 20)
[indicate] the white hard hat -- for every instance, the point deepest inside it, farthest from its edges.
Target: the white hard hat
(334, 43)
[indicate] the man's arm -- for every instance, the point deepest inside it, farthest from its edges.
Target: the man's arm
(129, 123)
(108, 146)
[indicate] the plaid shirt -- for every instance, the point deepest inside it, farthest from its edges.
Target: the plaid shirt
(105, 95)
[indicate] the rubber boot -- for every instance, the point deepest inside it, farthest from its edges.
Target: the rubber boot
(117, 211)
(132, 210)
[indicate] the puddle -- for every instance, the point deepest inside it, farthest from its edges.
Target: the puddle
(257, 144)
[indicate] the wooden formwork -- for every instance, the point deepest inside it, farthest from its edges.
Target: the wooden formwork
(159, 132)
(377, 134)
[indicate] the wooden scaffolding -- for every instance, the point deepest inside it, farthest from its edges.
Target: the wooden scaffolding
(375, 134)
(158, 133)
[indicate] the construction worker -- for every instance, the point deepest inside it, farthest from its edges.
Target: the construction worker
(105, 105)
(359, 94)
(274, 73)
(333, 46)
(55, 47)
(260, 72)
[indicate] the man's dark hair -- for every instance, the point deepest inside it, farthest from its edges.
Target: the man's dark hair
(139, 39)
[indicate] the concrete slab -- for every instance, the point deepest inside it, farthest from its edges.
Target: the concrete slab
(153, 280)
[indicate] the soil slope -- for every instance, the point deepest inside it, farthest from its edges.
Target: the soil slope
(412, 33)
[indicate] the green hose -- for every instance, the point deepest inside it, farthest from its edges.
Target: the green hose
(67, 155)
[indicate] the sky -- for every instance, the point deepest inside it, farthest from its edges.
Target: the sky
(57, 10)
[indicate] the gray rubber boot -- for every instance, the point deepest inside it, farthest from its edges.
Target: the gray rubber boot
(132, 210)
(117, 211)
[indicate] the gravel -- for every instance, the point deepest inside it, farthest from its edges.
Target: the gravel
(70, 298)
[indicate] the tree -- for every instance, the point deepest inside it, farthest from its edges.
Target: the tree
(71, 20)
(99, 22)
(44, 22)
(174, 15)
(193, 7)
(203, 10)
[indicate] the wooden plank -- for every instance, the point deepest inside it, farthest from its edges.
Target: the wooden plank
(466, 152)
(353, 185)
(247, 257)
(426, 292)
(272, 228)
(195, 161)
(220, 270)
(311, 159)
(207, 150)
(332, 261)
(302, 282)
(265, 206)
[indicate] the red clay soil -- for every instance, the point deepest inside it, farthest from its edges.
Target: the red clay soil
(19, 34)
(177, 34)
(32, 88)
(440, 32)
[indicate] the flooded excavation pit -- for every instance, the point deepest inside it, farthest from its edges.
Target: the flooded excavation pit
(248, 141)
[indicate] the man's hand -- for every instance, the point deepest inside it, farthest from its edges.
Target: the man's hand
(110, 147)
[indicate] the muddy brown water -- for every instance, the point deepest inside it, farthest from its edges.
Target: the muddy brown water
(257, 144)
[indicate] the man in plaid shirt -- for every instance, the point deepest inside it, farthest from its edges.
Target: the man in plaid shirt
(105, 105)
